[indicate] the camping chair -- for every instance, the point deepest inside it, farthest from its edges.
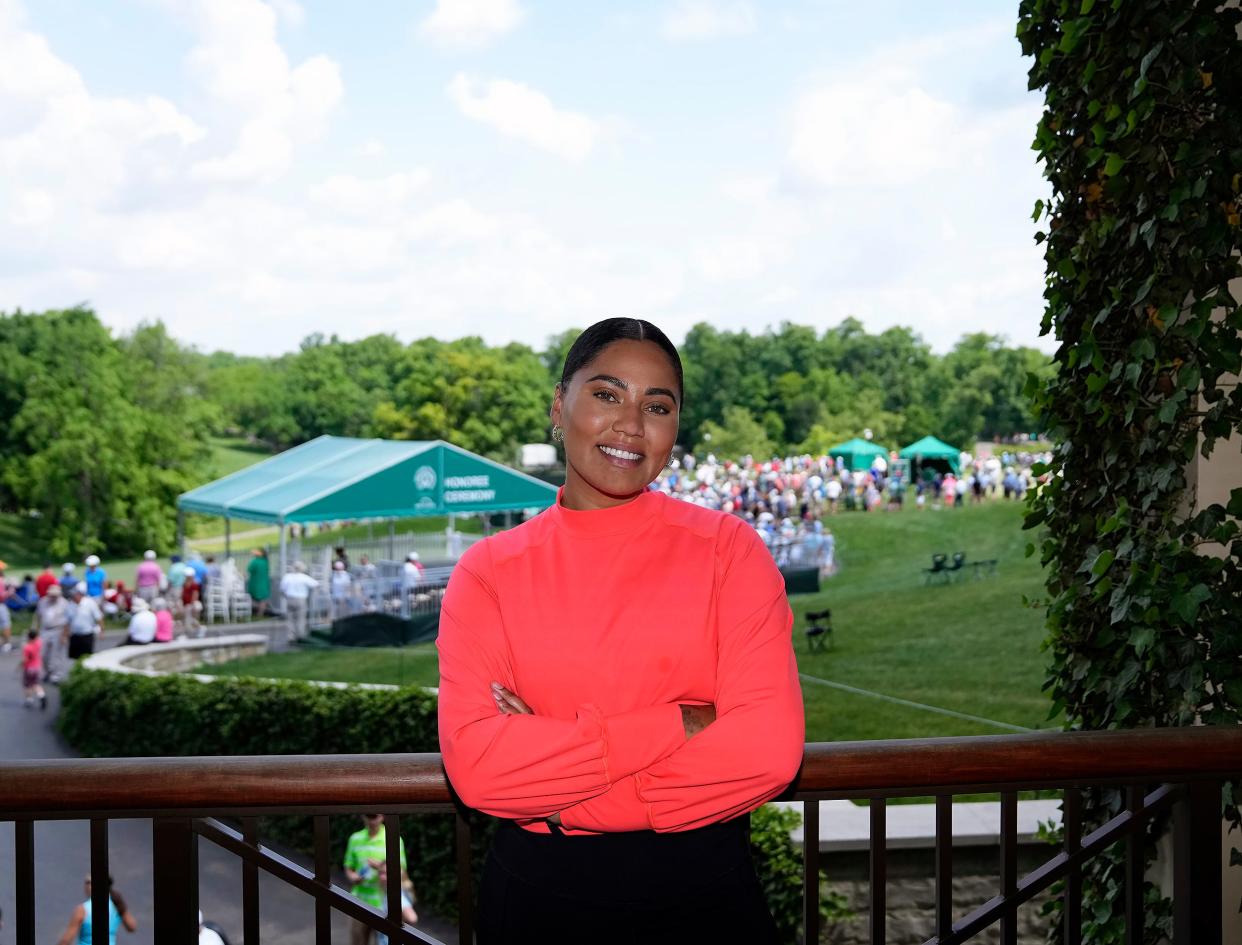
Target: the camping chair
(937, 568)
(986, 568)
(959, 560)
(818, 630)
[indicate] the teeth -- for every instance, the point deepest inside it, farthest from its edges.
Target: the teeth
(621, 454)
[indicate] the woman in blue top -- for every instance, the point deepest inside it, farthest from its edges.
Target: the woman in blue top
(80, 931)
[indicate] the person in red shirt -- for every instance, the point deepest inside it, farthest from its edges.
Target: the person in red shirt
(191, 604)
(32, 670)
(617, 682)
(47, 577)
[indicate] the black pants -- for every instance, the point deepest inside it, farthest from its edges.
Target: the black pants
(642, 888)
(81, 644)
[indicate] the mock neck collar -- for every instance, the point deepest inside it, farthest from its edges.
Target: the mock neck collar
(595, 522)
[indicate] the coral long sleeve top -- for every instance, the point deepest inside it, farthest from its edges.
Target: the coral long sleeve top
(604, 622)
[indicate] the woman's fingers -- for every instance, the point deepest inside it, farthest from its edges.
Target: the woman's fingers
(508, 702)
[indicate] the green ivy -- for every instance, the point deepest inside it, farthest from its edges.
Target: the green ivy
(118, 715)
(1141, 140)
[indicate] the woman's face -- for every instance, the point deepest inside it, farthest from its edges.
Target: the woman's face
(619, 414)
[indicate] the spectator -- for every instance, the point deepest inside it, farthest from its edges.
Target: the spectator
(94, 577)
(191, 601)
(46, 578)
(150, 577)
(199, 567)
(365, 853)
(258, 580)
(295, 588)
(6, 620)
(143, 625)
(51, 619)
(32, 669)
(85, 622)
(176, 577)
(26, 597)
(341, 588)
(68, 580)
(80, 926)
(163, 621)
(209, 933)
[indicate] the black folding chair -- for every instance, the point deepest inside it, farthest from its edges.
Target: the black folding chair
(959, 561)
(937, 569)
(818, 630)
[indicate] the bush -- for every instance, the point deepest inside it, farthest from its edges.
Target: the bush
(121, 715)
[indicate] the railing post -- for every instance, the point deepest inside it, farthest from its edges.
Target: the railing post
(810, 872)
(24, 880)
(100, 889)
(465, 884)
(1197, 865)
(175, 879)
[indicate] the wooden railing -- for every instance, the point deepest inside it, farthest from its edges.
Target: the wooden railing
(186, 798)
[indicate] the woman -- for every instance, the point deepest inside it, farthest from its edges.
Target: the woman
(258, 581)
(617, 681)
(80, 932)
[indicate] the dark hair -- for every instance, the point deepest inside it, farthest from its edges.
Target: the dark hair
(590, 343)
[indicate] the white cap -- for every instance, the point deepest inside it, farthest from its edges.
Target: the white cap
(412, 556)
(68, 567)
(149, 555)
(189, 571)
(338, 565)
(79, 588)
(92, 561)
(138, 605)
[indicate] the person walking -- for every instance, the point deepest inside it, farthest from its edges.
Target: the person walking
(81, 926)
(342, 590)
(32, 669)
(258, 581)
(191, 601)
(366, 854)
(85, 622)
(46, 578)
(68, 579)
(51, 619)
(296, 588)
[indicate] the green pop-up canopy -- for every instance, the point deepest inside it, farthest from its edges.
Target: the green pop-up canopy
(337, 478)
(931, 448)
(857, 454)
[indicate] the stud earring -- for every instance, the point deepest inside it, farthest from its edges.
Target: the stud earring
(558, 435)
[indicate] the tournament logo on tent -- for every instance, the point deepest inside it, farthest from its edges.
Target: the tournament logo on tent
(425, 478)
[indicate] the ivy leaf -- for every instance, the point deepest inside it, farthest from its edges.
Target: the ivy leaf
(1103, 561)
(1114, 164)
(1142, 639)
(1187, 604)
(1086, 7)
(1149, 59)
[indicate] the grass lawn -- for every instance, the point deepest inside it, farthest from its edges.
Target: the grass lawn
(969, 647)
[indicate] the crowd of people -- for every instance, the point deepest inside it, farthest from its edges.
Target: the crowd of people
(789, 500)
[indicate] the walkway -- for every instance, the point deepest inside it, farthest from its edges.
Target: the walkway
(62, 851)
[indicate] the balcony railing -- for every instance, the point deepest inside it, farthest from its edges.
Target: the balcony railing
(1181, 770)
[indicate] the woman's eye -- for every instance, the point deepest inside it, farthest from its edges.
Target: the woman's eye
(659, 408)
(605, 395)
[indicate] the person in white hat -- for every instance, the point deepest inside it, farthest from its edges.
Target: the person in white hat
(85, 622)
(296, 588)
(94, 577)
(142, 624)
(51, 619)
(68, 579)
(411, 577)
(149, 578)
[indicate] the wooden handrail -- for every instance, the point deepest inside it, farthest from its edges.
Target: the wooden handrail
(254, 782)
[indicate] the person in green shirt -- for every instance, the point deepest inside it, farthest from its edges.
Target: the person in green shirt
(258, 580)
(365, 855)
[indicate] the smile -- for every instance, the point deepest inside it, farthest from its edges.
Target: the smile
(621, 454)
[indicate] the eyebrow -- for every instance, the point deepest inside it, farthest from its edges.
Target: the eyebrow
(617, 382)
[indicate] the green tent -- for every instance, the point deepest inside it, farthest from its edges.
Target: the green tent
(930, 448)
(857, 454)
(334, 478)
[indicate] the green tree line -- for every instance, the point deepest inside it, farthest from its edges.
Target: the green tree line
(102, 432)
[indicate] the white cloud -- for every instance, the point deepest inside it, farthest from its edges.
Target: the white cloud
(267, 106)
(518, 111)
(471, 24)
(691, 20)
(377, 197)
(371, 148)
(290, 12)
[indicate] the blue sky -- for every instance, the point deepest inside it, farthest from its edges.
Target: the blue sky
(252, 172)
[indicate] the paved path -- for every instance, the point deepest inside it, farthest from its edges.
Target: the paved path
(62, 853)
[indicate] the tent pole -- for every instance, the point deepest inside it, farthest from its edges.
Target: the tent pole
(392, 539)
(284, 551)
(228, 538)
(181, 532)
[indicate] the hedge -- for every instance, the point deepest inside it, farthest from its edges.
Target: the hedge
(105, 714)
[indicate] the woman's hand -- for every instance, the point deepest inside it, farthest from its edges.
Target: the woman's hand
(695, 718)
(508, 702)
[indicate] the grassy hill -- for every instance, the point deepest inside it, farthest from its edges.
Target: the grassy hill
(969, 648)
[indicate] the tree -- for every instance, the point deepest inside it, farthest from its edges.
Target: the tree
(739, 435)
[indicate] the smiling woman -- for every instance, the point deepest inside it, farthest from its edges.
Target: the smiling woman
(617, 683)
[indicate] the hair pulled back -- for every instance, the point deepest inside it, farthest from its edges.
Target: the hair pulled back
(592, 341)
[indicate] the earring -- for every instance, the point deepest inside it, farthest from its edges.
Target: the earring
(558, 435)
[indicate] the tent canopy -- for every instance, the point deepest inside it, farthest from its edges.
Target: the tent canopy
(334, 478)
(931, 448)
(857, 454)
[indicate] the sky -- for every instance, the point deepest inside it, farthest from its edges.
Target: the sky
(252, 172)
